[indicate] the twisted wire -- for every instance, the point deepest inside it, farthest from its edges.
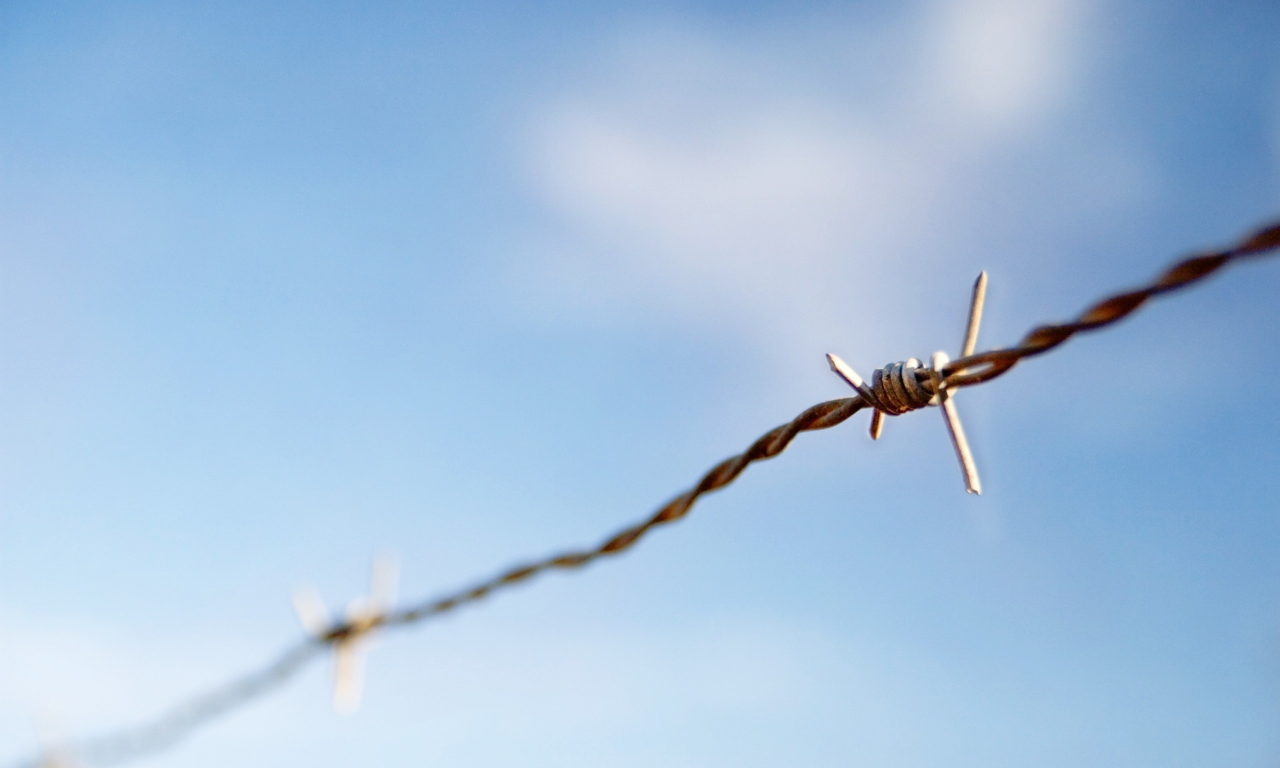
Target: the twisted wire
(772, 443)
(1109, 310)
(896, 388)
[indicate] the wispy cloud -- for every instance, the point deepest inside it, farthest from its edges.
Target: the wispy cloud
(782, 182)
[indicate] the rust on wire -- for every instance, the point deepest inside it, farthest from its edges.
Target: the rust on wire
(180, 721)
(1107, 311)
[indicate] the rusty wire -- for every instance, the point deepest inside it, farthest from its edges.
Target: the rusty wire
(1109, 310)
(180, 721)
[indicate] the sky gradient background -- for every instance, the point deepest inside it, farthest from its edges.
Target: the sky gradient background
(282, 287)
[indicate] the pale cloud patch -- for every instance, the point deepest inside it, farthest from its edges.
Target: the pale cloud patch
(62, 680)
(1004, 62)
(53, 677)
(758, 208)
(786, 194)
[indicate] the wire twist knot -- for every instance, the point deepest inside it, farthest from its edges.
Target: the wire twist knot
(903, 387)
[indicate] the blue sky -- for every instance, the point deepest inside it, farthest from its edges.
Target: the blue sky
(281, 288)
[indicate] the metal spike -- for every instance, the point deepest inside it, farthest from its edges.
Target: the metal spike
(975, 315)
(958, 441)
(350, 639)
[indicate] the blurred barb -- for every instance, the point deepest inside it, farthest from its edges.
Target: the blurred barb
(374, 612)
(350, 638)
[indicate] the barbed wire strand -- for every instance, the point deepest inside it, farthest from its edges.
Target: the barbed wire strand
(179, 722)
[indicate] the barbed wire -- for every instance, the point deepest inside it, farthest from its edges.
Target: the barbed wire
(1108, 310)
(180, 721)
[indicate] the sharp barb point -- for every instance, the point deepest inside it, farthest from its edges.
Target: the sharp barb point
(975, 315)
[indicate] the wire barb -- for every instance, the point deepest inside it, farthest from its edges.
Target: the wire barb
(959, 443)
(975, 315)
(349, 639)
(898, 388)
(941, 380)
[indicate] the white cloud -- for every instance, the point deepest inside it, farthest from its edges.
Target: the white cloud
(1005, 61)
(784, 185)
